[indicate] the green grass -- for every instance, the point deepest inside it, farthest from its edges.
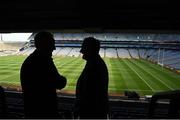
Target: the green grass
(124, 74)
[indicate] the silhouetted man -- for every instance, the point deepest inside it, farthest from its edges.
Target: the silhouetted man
(40, 79)
(92, 85)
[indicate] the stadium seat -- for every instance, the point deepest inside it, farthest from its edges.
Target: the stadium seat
(3, 107)
(174, 103)
(132, 95)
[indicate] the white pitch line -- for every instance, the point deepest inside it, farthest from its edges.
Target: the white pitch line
(154, 66)
(72, 81)
(156, 77)
(112, 76)
(140, 77)
(64, 63)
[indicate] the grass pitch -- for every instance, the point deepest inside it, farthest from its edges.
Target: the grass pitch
(124, 74)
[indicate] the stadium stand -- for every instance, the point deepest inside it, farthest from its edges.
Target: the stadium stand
(74, 52)
(134, 53)
(65, 51)
(55, 52)
(11, 48)
(111, 53)
(123, 53)
(102, 52)
(120, 107)
(162, 49)
(12, 45)
(142, 53)
(131, 15)
(113, 45)
(158, 48)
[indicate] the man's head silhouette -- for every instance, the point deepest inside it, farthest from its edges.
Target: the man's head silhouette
(90, 48)
(44, 41)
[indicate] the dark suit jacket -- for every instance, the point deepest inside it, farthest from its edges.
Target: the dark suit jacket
(39, 80)
(92, 89)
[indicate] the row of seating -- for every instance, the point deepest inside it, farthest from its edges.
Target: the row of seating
(108, 52)
(11, 106)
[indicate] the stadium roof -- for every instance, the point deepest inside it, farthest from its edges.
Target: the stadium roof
(34, 15)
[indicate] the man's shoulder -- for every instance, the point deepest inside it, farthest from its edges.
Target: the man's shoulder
(29, 60)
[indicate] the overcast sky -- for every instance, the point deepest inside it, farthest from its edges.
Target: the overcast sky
(14, 36)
